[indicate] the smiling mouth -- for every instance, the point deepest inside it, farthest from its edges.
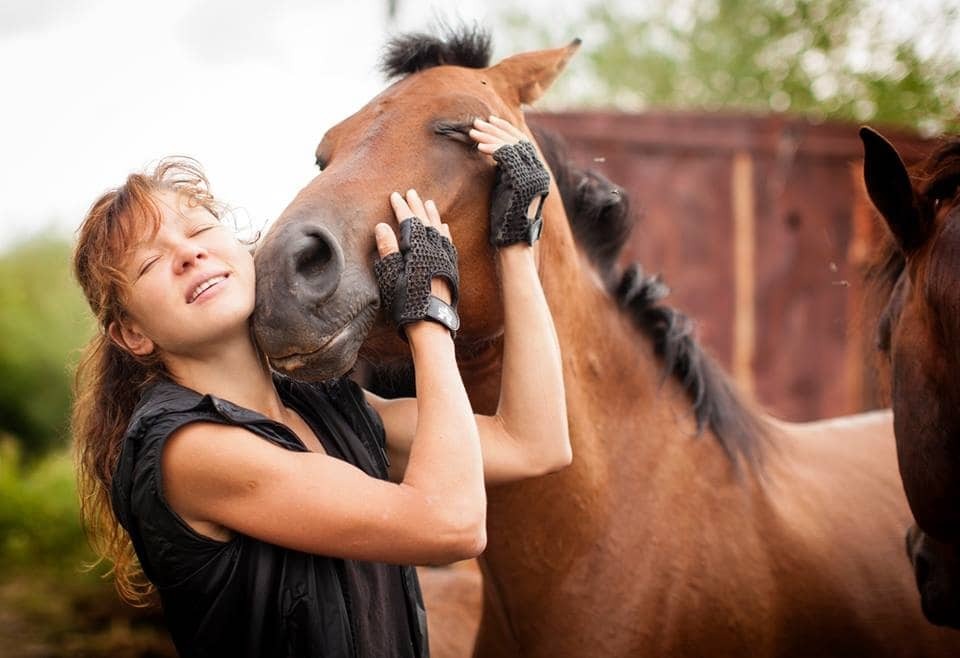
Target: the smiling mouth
(206, 285)
(358, 325)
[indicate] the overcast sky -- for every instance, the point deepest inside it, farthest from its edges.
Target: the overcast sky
(93, 89)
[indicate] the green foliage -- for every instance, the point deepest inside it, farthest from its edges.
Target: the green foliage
(49, 604)
(838, 59)
(39, 515)
(43, 323)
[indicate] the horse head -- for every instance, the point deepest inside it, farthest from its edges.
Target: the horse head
(317, 299)
(919, 336)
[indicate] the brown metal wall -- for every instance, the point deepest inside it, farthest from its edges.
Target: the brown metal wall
(759, 225)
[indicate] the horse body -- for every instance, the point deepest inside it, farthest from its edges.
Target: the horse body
(653, 543)
(755, 538)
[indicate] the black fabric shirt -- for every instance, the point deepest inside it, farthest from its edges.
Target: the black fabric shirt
(245, 597)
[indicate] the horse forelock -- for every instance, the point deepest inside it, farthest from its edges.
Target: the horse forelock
(468, 46)
(599, 215)
(938, 176)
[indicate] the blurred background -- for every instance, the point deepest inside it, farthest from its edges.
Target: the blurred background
(731, 124)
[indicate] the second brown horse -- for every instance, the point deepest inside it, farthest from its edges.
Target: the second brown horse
(916, 277)
(757, 538)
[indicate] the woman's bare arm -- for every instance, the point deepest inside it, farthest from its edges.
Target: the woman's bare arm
(318, 504)
(528, 435)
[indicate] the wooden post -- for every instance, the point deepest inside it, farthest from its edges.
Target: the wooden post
(744, 266)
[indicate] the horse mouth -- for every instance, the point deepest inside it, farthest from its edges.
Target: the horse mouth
(336, 352)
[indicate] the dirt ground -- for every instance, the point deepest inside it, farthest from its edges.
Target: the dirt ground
(44, 618)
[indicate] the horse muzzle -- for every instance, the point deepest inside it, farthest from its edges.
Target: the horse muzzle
(306, 320)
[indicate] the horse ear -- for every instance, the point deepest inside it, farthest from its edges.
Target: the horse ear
(888, 185)
(531, 74)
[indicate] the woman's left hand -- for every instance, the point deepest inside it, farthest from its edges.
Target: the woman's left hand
(491, 135)
(521, 186)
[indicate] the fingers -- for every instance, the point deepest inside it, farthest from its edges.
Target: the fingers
(479, 133)
(433, 215)
(507, 127)
(491, 135)
(500, 130)
(411, 205)
(400, 208)
(386, 239)
(416, 205)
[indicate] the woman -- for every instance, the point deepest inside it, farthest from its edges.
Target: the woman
(267, 513)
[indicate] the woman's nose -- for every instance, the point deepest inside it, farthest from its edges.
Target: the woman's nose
(187, 256)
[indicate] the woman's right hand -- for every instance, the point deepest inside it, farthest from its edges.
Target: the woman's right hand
(427, 213)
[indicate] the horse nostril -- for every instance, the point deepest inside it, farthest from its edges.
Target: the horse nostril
(317, 263)
(313, 255)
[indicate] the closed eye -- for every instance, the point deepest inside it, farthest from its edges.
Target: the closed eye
(458, 131)
(147, 264)
(201, 229)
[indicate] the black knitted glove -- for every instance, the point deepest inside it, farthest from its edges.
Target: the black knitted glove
(404, 277)
(521, 178)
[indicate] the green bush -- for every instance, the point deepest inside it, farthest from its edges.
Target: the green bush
(44, 322)
(40, 527)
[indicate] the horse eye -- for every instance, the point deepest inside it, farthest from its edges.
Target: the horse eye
(457, 131)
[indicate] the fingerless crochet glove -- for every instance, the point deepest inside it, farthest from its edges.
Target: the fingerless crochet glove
(404, 277)
(521, 178)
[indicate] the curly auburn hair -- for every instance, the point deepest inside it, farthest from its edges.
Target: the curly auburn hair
(109, 379)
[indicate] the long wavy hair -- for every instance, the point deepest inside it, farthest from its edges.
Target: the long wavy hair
(109, 379)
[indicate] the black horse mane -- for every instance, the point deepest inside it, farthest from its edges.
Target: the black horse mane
(936, 178)
(599, 215)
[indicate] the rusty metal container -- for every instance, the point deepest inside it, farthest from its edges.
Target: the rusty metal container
(760, 226)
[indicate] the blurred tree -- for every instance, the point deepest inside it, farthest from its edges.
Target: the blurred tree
(860, 60)
(43, 322)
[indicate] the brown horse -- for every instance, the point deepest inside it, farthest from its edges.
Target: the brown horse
(758, 538)
(917, 275)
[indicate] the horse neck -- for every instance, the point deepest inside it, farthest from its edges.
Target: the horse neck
(611, 375)
(629, 431)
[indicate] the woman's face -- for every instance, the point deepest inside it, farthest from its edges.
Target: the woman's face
(191, 284)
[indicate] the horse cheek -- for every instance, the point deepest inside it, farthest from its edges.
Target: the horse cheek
(925, 473)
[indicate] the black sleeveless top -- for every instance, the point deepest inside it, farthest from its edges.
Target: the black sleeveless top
(245, 597)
